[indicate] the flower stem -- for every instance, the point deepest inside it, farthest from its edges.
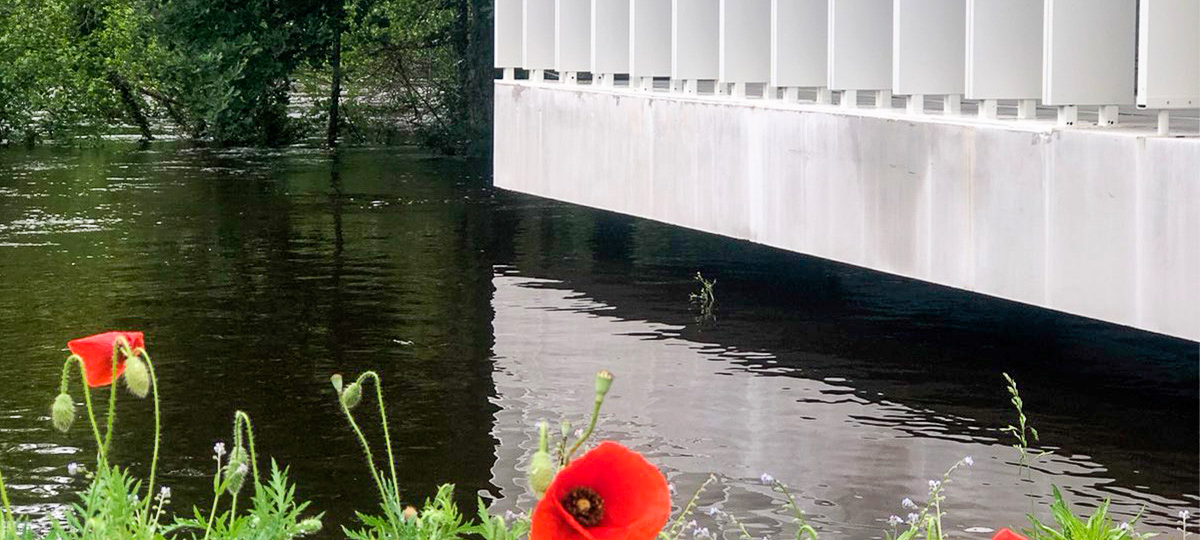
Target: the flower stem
(387, 438)
(157, 428)
(7, 507)
(233, 510)
(362, 439)
(217, 490)
(120, 348)
(241, 421)
(87, 400)
(588, 432)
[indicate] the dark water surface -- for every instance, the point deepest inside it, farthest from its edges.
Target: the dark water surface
(257, 274)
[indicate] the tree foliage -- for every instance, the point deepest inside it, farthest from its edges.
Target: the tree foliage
(228, 70)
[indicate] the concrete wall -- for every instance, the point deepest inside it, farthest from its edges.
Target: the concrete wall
(1100, 223)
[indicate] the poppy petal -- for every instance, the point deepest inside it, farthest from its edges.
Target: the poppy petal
(97, 352)
(1007, 534)
(636, 499)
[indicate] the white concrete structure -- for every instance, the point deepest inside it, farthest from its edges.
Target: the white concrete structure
(799, 51)
(745, 44)
(860, 49)
(509, 47)
(1088, 54)
(1004, 54)
(537, 31)
(649, 47)
(695, 33)
(1102, 222)
(1168, 57)
(572, 37)
(610, 39)
(929, 48)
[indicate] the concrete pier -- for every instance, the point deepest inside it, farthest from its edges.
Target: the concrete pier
(1099, 222)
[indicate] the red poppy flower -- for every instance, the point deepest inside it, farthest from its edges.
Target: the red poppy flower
(97, 354)
(609, 493)
(1007, 534)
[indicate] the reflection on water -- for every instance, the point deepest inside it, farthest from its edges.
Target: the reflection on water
(258, 274)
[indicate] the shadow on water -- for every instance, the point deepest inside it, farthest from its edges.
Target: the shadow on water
(257, 274)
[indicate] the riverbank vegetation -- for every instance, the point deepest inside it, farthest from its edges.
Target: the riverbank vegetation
(248, 72)
(606, 492)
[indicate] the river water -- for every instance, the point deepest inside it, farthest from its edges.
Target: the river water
(257, 274)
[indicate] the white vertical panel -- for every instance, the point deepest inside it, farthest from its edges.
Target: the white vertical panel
(928, 46)
(1089, 52)
(508, 34)
(538, 29)
(650, 38)
(573, 35)
(745, 41)
(694, 39)
(610, 36)
(1004, 49)
(1168, 54)
(799, 42)
(860, 44)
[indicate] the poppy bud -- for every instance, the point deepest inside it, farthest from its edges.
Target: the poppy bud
(308, 526)
(137, 377)
(541, 467)
(336, 380)
(352, 395)
(409, 514)
(235, 470)
(604, 381)
(62, 414)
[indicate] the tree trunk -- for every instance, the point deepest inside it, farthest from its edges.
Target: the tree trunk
(132, 104)
(335, 90)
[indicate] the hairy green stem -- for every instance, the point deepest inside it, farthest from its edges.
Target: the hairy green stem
(233, 510)
(362, 439)
(387, 438)
(7, 513)
(157, 428)
(87, 400)
(217, 489)
(120, 349)
(588, 432)
(241, 422)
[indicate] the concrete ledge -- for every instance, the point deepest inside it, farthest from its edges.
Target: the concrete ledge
(1103, 223)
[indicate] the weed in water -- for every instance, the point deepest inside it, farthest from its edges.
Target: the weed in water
(704, 298)
(1022, 431)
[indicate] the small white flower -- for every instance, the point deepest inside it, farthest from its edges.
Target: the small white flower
(218, 450)
(690, 525)
(934, 484)
(970, 461)
(73, 468)
(702, 532)
(908, 503)
(164, 493)
(894, 520)
(1124, 526)
(712, 511)
(912, 518)
(578, 433)
(1184, 515)
(767, 479)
